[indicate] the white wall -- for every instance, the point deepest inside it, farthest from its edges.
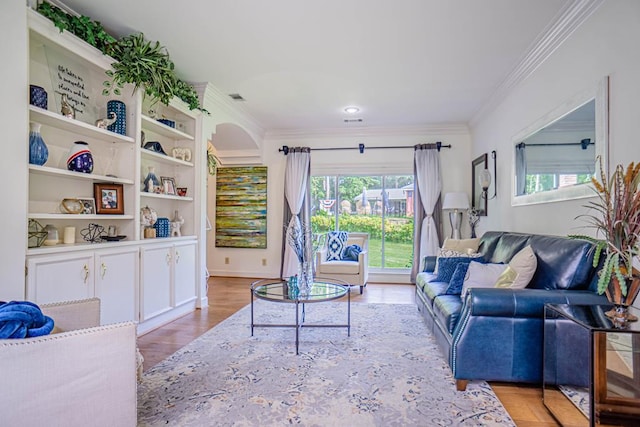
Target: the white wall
(456, 165)
(15, 136)
(606, 44)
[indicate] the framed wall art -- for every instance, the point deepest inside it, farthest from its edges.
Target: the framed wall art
(241, 207)
(478, 199)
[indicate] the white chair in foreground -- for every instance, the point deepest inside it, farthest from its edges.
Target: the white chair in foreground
(82, 376)
(355, 273)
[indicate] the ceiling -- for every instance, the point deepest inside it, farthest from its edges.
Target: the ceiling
(298, 64)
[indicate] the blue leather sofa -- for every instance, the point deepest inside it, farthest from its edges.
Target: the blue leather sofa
(496, 334)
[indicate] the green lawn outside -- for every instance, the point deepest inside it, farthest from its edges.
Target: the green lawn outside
(397, 255)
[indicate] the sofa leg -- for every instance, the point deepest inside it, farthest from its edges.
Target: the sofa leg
(361, 289)
(461, 385)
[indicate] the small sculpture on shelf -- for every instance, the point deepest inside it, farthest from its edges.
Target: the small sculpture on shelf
(67, 109)
(148, 218)
(183, 154)
(103, 123)
(93, 233)
(151, 182)
(176, 224)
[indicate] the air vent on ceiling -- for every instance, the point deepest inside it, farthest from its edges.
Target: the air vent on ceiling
(352, 120)
(236, 97)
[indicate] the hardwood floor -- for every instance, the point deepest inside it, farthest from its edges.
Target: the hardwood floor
(227, 295)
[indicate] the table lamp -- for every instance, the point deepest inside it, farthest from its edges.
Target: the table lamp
(455, 202)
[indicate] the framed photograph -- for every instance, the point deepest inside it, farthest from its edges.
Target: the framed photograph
(169, 185)
(88, 206)
(479, 202)
(109, 198)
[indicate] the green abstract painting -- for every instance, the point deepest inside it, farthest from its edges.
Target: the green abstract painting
(241, 207)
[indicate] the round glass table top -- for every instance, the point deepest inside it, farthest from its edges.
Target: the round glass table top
(278, 290)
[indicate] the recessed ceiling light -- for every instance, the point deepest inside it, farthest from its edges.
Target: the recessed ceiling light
(351, 110)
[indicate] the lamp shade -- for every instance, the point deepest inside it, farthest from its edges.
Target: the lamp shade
(456, 201)
(485, 179)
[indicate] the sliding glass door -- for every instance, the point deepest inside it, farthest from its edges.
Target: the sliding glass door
(381, 205)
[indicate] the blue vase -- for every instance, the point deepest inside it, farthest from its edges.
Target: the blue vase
(38, 151)
(80, 158)
(120, 109)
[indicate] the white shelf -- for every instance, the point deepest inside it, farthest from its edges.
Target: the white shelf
(161, 129)
(76, 217)
(164, 158)
(59, 121)
(166, 196)
(49, 171)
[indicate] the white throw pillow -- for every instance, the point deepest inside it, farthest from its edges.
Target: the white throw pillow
(521, 269)
(481, 276)
(461, 245)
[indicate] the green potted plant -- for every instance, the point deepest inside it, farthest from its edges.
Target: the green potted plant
(140, 62)
(615, 215)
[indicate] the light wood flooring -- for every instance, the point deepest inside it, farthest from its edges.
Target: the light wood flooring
(227, 295)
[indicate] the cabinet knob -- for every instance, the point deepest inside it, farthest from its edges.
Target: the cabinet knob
(103, 270)
(177, 257)
(85, 269)
(168, 258)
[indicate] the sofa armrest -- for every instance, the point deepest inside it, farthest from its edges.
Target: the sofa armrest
(76, 378)
(72, 315)
(523, 303)
(363, 262)
(428, 264)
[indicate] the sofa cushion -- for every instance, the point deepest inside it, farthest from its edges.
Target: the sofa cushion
(335, 244)
(520, 270)
(481, 276)
(446, 309)
(462, 245)
(340, 267)
(457, 279)
(446, 267)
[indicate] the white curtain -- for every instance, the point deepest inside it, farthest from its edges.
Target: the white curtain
(295, 188)
(427, 163)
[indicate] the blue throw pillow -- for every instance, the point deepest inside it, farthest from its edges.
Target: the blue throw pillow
(335, 244)
(351, 253)
(457, 279)
(447, 266)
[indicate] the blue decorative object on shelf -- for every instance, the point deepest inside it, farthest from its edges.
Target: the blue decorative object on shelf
(120, 125)
(38, 151)
(151, 182)
(167, 122)
(80, 158)
(162, 227)
(38, 97)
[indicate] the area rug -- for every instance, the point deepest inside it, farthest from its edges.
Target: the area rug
(389, 372)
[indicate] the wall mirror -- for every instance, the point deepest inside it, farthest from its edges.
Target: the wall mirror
(478, 202)
(555, 157)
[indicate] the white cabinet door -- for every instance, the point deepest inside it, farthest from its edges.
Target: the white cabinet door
(184, 273)
(58, 278)
(116, 281)
(156, 280)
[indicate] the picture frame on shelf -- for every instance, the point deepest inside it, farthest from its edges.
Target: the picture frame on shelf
(110, 199)
(88, 206)
(169, 185)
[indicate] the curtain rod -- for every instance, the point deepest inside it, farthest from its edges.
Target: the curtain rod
(584, 143)
(285, 148)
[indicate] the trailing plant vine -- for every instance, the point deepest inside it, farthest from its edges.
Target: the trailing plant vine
(144, 64)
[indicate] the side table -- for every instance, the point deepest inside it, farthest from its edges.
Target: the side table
(592, 364)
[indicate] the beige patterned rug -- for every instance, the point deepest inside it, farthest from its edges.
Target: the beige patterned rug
(388, 373)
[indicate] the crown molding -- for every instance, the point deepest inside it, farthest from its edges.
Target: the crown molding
(212, 99)
(421, 131)
(570, 18)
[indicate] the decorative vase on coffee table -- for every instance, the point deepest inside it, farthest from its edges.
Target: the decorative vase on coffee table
(38, 151)
(305, 278)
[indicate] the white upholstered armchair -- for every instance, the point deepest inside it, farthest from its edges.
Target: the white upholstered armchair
(82, 376)
(356, 273)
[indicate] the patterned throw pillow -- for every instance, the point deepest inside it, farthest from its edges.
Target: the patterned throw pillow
(457, 279)
(335, 244)
(450, 253)
(447, 266)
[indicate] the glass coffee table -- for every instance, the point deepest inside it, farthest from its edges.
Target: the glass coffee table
(323, 290)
